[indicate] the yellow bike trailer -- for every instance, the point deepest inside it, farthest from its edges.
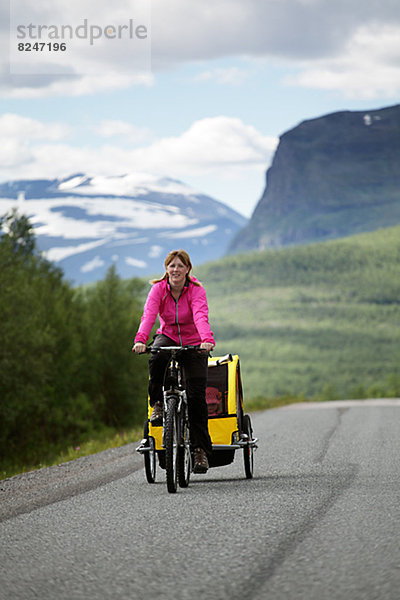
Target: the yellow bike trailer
(230, 429)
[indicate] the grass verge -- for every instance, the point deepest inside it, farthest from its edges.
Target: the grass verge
(259, 403)
(55, 455)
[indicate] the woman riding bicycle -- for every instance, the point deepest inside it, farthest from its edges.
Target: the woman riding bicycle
(181, 303)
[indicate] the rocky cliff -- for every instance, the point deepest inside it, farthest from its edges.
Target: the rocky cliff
(330, 177)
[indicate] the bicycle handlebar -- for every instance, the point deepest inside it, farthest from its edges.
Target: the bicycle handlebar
(157, 349)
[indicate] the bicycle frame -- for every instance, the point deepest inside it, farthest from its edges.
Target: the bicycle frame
(173, 380)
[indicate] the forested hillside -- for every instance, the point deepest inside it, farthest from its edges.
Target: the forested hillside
(66, 370)
(321, 320)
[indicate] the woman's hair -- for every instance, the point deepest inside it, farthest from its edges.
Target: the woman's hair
(183, 257)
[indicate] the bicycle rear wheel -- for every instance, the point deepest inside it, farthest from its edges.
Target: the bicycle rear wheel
(171, 444)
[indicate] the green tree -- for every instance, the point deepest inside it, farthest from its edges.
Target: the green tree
(115, 379)
(39, 347)
(18, 234)
(66, 367)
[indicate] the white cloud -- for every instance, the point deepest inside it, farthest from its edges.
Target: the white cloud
(218, 145)
(208, 145)
(14, 154)
(13, 125)
(317, 31)
(368, 66)
(228, 76)
(276, 30)
(123, 130)
(20, 86)
(87, 65)
(17, 134)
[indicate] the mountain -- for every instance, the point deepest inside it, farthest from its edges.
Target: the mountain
(85, 224)
(320, 320)
(330, 177)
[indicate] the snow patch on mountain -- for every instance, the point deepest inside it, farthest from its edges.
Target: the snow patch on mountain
(134, 184)
(199, 232)
(134, 262)
(61, 252)
(68, 216)
(95, 263)
(86, 224)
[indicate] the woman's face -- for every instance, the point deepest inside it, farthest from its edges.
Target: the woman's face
(177, 272)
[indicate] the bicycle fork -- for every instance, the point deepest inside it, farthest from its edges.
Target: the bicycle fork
(181, 413)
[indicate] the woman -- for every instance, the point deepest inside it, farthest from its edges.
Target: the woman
(181, 303)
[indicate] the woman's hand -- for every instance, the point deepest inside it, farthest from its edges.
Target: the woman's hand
(207, 346)
(139, 348)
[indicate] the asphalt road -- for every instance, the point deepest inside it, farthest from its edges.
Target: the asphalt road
(320, 520)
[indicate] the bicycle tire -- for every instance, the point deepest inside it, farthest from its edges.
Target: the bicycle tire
(171, 444)
(184, 455)
(248, 451)
(150, 456)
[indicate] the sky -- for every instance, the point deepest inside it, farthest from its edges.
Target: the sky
(196, 91)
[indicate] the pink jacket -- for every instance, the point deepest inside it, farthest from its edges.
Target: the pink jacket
(185, 321)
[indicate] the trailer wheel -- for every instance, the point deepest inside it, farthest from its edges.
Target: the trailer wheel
(248, 451)
(150, 456)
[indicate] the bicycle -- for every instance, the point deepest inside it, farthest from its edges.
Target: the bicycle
(176, 427)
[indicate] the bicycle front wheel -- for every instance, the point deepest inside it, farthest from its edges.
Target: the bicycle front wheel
(171, 444)
(184, 455)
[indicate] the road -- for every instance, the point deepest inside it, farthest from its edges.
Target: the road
(320, 520)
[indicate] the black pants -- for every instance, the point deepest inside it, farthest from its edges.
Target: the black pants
(195, 370)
